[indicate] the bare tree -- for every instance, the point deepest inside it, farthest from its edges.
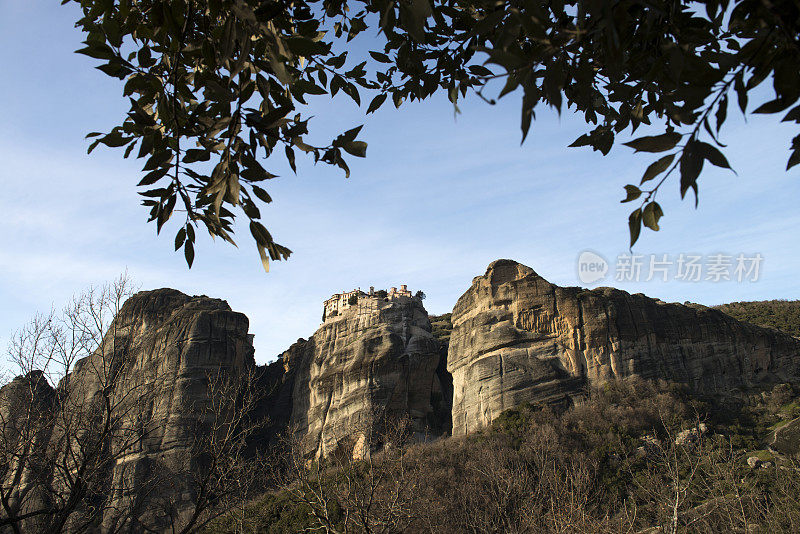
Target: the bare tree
(695, 483)
(55, 442)
(365, 485)
(75, 429)
(226, 467)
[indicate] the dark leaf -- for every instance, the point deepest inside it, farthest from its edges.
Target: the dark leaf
(114, 69)
(348, 136)
(632, 193)
(193, 154)
(583, 140)
(356, 148)
(290, 157)
(166, 212)
(305, 47)
(307, 87)
(635, 225)
(794, 159)
(97, 51)
(260, 234)
(651, 214)
(657, 167)
(378, 56)
(722, 111)
(741, 91)
(527, 117)
(250, 209)
(352, 92)
(153, 176)
(115, 139)
(691, 165)
(261, 194)
(129, 149)
(793, 115)
(480, 70)
(656, 143)
(180, 237)
(414, 16)
(188, 252)
(376, 103)
(714, 156)
(774, 106)
(256, 173)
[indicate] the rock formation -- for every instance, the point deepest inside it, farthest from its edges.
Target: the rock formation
(169, 346)
(25, 430)
(149, 381)
(786, 438)
(517, 338)
(373, 361)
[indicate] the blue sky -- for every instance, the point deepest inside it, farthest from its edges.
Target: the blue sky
(435, 201)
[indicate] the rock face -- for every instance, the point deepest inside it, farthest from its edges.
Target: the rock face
(156, 360)
(25, 431)
(517, 338)
(786, 439)
(374, 360)
(168, 345)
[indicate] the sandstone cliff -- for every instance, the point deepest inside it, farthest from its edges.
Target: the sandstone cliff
(374, 360)
(126, 417)
(169, 346)
(517, 338)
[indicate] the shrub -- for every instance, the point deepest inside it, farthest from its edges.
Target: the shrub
(610, 463)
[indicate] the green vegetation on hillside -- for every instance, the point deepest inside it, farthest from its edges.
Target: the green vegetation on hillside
(441, 326)
(779, 314)
(635, 455)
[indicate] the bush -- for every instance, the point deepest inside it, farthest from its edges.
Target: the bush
(610, 463)
(779, 314)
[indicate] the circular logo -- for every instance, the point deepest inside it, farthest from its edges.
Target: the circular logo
(592, 267)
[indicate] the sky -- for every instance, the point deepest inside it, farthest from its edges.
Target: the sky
(437, 198)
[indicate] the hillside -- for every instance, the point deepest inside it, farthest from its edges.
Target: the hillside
(608, 465)
(781, 315)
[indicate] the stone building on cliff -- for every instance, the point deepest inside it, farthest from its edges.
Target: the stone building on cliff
(403, 292)
(339, 302)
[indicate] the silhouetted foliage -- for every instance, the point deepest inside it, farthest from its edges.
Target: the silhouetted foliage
(216, 87)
